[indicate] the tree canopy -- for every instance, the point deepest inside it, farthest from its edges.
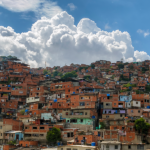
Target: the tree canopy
(92, 66)
(69, 75)
(45, 72)
(87, 77)
(120, 66)
(54, 135)
(141, 126)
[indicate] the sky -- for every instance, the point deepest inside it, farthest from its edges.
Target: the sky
(74, 31)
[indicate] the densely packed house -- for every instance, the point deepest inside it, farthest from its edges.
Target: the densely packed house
(97, 106)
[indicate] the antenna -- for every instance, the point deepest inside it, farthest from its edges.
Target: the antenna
(122, 60)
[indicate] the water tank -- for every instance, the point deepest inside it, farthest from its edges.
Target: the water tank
(93, 117)
(93, 144)
(73, 92)
(148, 107)
(55, 100)
(58, 143)
(9, 86)
(108, 94)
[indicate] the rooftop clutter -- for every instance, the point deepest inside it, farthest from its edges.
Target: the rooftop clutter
(103, 105)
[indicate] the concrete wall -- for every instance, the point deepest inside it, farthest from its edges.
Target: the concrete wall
(76, 147)
(80, 126)
(85, 121)
(128, 104)
(119, 116)
(111, 147)
(32, 100)
(136, 104)
(78, 114)
(107, 105)
(134, 112)
(133, 147)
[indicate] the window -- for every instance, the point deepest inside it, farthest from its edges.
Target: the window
(136, 102)
(73, 120)
(68, 148)
(107, 146)
(50, 104)
(107, 104)
(42, 128)
(122, 128)
(68, 90)
(61, 148)
(34, 128)
(138, 111)
(131, 111)
(1, 134)
(141, 147)
(68, 134)
(71, 134)
(82, 104)
(116, 146)
(26, 127)
(120, 115)
(0, 127)
(114, 103)
(81, 120)
(85, 113)
(129, 146)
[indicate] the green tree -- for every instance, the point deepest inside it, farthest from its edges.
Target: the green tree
(45, 72)
(102, 125)
(141, 126)
(69, 75)
(55, 73)
(22, 112)
(60, 74)
(120, 66)
(92, 66)
(53, 136)
(87, 77)
(131, 67)
(12, 142)
(95, 79)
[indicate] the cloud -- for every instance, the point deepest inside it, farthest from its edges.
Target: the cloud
(145, 33)
(141, 55)
(40, 7)
(107, 26)
(57, 41)
(71, 6)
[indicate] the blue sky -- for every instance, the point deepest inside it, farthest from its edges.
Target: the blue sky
(123, 15)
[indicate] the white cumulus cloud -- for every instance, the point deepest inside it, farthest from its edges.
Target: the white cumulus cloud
(71, 6)
(141, 55)
(145, 33)
(40, 7)
(57, 41)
